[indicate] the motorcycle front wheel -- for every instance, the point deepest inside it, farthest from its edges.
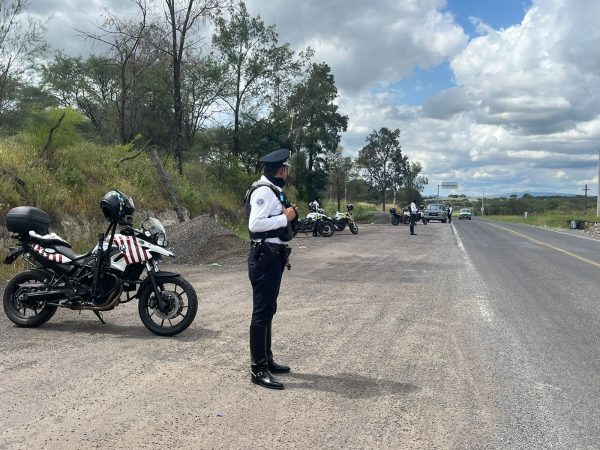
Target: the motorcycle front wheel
(23, 312)
(395, 221)
(353, 227)
(326, 228)
(174, 311)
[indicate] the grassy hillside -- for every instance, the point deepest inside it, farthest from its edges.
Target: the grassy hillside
(75, 179)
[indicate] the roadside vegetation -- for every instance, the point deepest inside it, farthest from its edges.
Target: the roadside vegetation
(548, 219)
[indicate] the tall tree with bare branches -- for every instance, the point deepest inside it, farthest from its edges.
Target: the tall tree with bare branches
(253, 58)
(183, 17)
(20, 43)
(123, 39)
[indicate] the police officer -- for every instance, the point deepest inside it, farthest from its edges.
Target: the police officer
(270, 226)
(413, 216)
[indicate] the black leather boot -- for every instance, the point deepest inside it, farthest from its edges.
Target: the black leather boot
(273, 366)
(260, 365)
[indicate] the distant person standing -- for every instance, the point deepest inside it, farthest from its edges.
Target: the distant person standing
(413, 217)
(450, 213)
(315, 207)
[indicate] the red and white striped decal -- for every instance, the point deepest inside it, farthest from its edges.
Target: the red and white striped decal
(133, 252)
(56, 257)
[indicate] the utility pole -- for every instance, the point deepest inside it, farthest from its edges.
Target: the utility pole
(598, 197)
(585, 189)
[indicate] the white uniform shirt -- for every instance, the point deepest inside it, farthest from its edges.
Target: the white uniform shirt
(413, 208)
(266, 211)
(450, 210)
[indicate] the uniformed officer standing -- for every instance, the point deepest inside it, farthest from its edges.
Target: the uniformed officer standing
(413, 217)
(270, 226)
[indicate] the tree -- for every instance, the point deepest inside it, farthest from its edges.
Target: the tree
(183, 16)
(123, 39)
(252, 57)
(413, 182)
(339, 171)
(202, 86)
(89, 85)
(376, 158)
(397, 172)
(315, 123)
(20, 44)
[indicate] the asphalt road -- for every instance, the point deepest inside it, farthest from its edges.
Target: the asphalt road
(539, 296)
(464, 336)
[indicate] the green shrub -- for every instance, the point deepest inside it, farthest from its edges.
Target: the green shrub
(66, 135)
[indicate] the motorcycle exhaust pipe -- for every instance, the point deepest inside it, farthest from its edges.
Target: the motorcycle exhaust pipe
(112, 300)
(46, 296)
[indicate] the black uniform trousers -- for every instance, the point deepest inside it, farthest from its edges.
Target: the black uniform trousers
(413, 219)
(265, 287)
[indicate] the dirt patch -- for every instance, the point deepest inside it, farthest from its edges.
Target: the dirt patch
(203, 241)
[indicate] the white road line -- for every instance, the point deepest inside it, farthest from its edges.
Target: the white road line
(478, 286)
(558, 249)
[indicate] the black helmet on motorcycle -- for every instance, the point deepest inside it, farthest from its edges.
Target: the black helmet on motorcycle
(117, 208)
(350, 206)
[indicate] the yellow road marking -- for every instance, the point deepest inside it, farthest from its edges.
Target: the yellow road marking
(581, 258)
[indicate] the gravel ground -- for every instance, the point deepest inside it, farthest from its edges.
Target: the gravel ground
(384, 333)
(375, 363)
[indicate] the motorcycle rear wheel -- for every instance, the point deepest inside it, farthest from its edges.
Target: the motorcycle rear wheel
(180, 305)
(326, 228)
(14, 306)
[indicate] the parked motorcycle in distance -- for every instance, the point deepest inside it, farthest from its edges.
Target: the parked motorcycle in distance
(404, 217)
(315, 222)
(398, 218)
(97, 280)
(341, 220)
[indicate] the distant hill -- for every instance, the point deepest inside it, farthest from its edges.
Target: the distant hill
(535, 194)
(519, 194)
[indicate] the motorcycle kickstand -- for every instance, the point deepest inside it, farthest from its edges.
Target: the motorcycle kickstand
(99, 316)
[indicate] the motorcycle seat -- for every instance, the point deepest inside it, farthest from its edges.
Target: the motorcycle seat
(68, 252)
(49, 239)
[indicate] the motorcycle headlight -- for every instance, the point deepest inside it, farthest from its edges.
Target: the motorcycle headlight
(161, 239)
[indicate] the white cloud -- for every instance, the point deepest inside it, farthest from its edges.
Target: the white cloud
(367, 43)
(525, 110)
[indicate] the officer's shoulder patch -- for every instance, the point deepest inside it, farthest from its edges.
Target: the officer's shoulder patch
(260, 201)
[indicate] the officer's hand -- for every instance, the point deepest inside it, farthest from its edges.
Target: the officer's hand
(290, 214)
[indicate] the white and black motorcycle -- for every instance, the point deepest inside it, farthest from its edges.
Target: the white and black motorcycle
(100, 279)
(341, 220)
(315, 222)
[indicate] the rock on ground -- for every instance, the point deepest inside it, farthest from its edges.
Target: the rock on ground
(594, 231)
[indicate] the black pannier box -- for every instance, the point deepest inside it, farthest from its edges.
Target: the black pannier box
(23, 219)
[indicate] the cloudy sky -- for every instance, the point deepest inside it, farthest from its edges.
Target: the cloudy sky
(501, 95)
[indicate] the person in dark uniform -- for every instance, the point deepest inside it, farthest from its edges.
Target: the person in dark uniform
(270, 225)
(413, 216)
